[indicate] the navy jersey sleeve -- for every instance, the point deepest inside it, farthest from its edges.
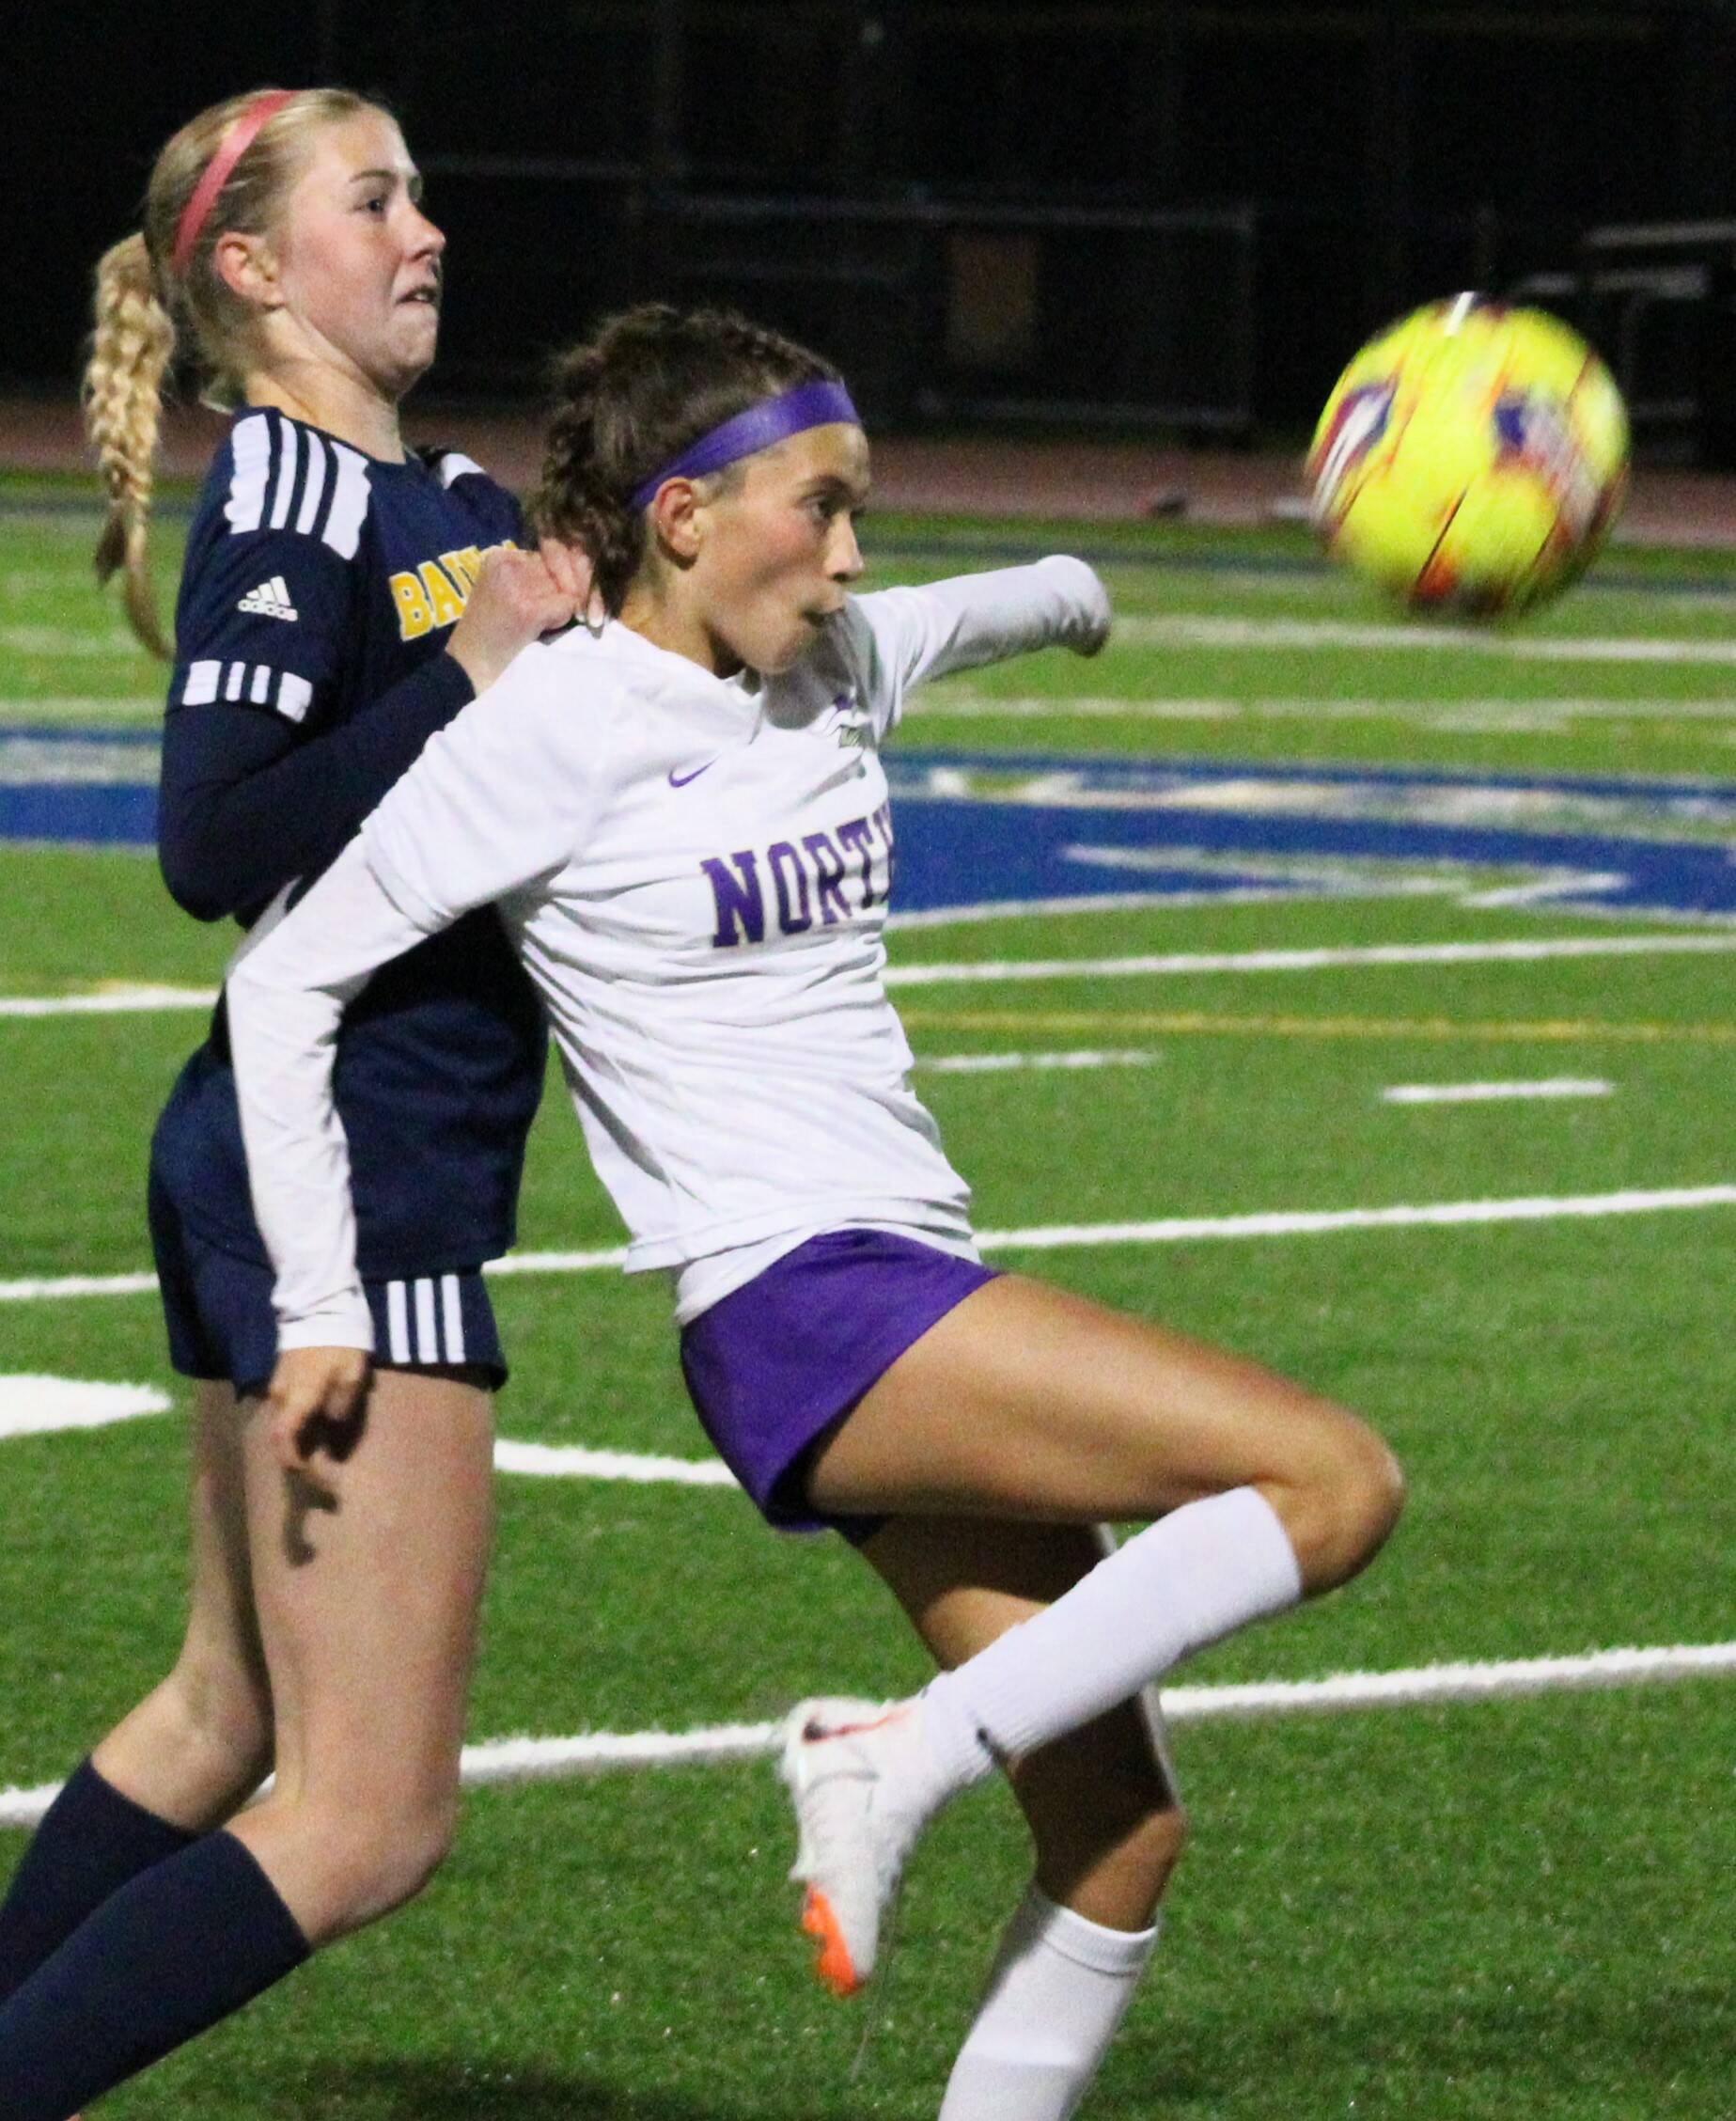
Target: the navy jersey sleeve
(261, 780)
(243, 807)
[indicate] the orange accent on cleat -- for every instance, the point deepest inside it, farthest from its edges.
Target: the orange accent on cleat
(834, 1964)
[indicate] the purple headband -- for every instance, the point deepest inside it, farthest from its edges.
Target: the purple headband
(774, 419)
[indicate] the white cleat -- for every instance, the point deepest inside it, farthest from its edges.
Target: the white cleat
(863, 1787)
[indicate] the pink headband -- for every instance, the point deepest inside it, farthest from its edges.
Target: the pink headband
(220, 169)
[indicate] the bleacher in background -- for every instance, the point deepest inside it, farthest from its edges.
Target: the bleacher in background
(1072, 212)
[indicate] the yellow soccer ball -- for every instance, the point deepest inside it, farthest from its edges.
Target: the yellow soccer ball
(1470, 459)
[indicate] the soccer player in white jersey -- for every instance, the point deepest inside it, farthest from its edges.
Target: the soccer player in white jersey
(684, 818)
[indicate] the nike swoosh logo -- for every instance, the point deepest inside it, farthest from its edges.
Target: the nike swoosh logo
(680, 780)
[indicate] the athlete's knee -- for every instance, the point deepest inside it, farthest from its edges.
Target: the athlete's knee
(1341, 1506)
(377, 1852)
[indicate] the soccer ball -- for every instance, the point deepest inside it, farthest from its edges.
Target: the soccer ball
(1470, 459)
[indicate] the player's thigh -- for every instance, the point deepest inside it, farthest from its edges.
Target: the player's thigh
(1025, 1401)
(368, 1577)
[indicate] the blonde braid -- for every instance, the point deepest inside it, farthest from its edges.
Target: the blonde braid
(130, 354)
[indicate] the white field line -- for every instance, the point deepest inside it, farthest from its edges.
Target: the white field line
(1491, 1092)
(1186, 963)
(1508, 713)
(67, 640)
(1178, 1230)
(1177, 963)
(40, 1406)
(554, 1461)
(531, 1760)
(1286, 636)
(1184, 1229)
(1003, 1064)
(118, 1001)
(103, 711)
(54, 1288)
(1171, 902)
(43, 1405)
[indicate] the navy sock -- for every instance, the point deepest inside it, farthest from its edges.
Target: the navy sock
(91, 1840)
(184, 1945)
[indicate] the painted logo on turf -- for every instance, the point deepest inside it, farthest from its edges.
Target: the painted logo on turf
(984, 835)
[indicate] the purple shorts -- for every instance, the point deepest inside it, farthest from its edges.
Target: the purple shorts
(773, 1365)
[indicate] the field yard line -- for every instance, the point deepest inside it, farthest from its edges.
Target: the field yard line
(1490, 1092)
(1184, 964)
(1003, 1064)
(1196, 1023)
(1173, 964)
(1180, 1229)
(1540, 711)
(61, 707)
(554, 1461)
(122, 1001)
(1182, 631)
(531, 1760)
(34, 1404)
(52, 1288)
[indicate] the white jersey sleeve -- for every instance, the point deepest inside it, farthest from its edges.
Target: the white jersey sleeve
(287, 989)
(499, 799)
(495, 802)
(901, 637)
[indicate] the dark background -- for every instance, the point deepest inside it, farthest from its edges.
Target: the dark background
(964, 202)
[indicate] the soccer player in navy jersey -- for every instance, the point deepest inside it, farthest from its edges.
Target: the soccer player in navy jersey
(684, 814)
(343, 596)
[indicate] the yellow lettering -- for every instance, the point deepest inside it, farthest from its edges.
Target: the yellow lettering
(463, 567)
(443, 599)
(414, 618)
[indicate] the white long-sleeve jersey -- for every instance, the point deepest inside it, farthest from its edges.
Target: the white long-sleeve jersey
(697, 874)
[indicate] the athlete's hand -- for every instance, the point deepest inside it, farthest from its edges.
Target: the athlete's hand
(315, 1402)
(571, 566)
(1094, 630)
(518, 596)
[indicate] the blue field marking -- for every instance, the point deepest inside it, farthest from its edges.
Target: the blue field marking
(79, 787)
(970, 833)
(995, 829)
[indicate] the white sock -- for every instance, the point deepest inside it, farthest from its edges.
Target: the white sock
(1187, 1580)
(1056, 1994)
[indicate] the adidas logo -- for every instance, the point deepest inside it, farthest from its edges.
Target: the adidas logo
(271, 599)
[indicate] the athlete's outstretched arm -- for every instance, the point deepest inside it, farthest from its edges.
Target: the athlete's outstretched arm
(907, 634)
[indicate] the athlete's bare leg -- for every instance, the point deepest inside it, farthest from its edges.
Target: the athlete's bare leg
(1029, 1405)
(1026, 1402)
(1107, 1824)
(368, 1574)
(200, 1744)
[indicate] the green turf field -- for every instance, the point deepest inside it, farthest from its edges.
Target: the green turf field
(1449, 1912)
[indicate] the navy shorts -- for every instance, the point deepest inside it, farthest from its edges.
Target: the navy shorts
(221, 1324)
(775, 1363)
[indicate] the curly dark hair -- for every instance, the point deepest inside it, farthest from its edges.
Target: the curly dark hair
(646, 384)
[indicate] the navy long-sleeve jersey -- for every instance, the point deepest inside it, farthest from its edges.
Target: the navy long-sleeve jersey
(320, 589)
